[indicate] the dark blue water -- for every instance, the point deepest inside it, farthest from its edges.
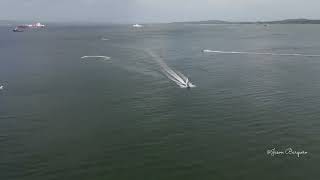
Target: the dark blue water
(63, 117)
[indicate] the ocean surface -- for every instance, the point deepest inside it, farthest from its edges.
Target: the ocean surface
(122, 117)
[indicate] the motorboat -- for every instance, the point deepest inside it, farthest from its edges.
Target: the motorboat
(137, 25)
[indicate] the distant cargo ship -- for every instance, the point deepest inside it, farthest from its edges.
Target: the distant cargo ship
(21, 28)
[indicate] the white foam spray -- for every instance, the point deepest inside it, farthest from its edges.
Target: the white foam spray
(175, 76)
(102, 57)
(105, 39)
(258, 53)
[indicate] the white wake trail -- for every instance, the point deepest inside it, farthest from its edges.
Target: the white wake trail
(258, 53)
(103, 57)
(175, 76)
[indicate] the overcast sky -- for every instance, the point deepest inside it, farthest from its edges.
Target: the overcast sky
(138, 11)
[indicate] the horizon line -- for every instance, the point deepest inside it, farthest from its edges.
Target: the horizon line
(154, 22)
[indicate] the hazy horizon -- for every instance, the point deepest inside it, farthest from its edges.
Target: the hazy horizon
(156, 11)
(140, 22)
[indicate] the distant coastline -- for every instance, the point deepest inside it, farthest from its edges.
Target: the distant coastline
(286, 21)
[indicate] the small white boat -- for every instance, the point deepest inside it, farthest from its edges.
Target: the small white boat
(1, 87)
(137, 26)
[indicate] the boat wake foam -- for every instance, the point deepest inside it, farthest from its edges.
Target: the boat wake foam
(175, 76)
(102, 57)
(258, 53)
(105, 39)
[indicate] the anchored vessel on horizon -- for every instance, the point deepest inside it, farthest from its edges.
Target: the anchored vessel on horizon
(21, 28)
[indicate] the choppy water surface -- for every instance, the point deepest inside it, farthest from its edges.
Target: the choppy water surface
(104, 102)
